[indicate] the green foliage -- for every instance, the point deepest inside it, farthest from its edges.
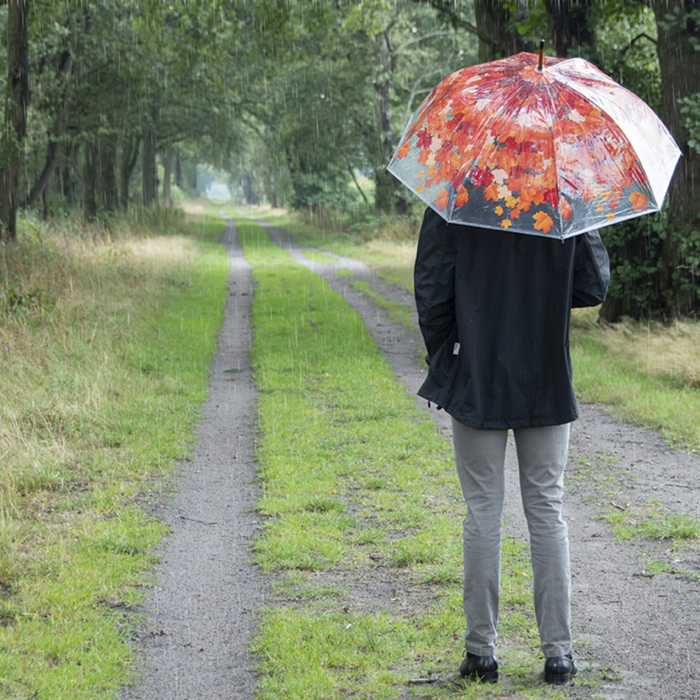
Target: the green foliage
(104, 72)
(690, 107)
(625, 48)
(532, 25)
(687, 273)
(342, 80)
(634, 247)
(315, 183)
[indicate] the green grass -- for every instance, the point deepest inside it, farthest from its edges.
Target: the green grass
(397, 311)
(669, 405)
(651, 521)
(667, 543)
(100, 394)
(393, 260)
(362, 511)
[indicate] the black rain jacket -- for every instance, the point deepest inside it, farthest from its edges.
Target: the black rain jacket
(494, 310)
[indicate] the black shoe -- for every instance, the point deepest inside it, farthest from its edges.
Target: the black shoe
(483, 668)
(559, 670)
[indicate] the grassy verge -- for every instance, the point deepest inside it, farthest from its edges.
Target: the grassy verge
(106, 339)
(396, 311)
(363, 513)
(616, 366)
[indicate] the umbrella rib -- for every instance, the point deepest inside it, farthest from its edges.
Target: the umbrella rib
(592, 97)
(552, 121)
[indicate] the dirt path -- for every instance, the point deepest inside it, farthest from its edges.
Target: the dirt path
(645, 629)
(201, 613)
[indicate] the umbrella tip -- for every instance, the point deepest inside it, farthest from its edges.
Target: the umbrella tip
(540, 65)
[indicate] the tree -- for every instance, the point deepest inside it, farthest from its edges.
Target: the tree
(679, 63)
(15, 122)
(343, 86)
(496, 24)
(572, 27)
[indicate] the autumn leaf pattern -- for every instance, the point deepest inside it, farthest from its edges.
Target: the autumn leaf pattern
(504, 145)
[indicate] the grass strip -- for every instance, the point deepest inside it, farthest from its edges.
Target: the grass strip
(101, 391)
(397, 311)
(321, 258)
(363, 511)
(668, 404)
(391, 258)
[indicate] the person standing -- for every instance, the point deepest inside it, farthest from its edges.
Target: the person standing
(494, 310)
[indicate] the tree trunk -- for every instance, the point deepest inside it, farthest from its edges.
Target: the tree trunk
(167, 161)
(52, 156)
(388, 190)
(248, 191)
(107, 172)
(571, 25)
(59, 129)
(492, 22)
(680, 77)
(67, 185)
(90, 170)
(15, 115)
(150, 172)
(273, 187)
(178, 171)
(130, 154)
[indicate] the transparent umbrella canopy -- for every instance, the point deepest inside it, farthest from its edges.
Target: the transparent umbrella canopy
(544, 146)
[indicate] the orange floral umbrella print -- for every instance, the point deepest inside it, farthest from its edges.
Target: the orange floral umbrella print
(551, 147)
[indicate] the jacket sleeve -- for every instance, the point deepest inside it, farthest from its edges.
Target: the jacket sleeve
(434, 280)
(591, 270)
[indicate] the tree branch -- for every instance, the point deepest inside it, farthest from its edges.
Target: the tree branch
(354, 179)
(458, 21)
(414, 91)
(422, 38)
(636, 39)
(55, 145)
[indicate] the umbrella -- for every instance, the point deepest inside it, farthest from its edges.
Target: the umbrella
(546, 146)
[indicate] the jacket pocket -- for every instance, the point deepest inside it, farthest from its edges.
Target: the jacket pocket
(445, 374)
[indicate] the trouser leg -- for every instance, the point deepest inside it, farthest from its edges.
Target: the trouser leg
(542, 455)
(480, 457)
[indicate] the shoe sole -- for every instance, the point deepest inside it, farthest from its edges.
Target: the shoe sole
(491, 677)
(558, 678)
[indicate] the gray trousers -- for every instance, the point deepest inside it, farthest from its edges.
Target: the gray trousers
(480, 458)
